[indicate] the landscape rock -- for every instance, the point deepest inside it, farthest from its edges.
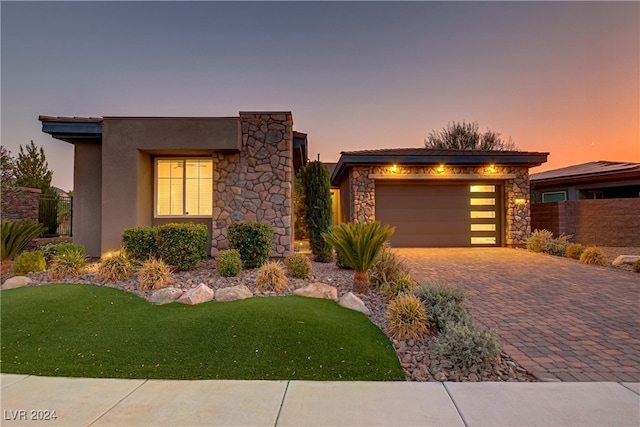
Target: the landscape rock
(16, 282)
(349, 300)
(625, 259)
(318, 290)
(165, 295)
(199, 294)
(233, 293)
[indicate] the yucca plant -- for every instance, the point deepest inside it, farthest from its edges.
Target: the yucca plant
(271, 278)
(15, 236)
(359, 244)
(407, 318)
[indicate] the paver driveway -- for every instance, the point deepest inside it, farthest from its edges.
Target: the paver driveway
(559, 319)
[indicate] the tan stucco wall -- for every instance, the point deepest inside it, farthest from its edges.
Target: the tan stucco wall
(87, 190)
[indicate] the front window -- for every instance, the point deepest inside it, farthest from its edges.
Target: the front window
(556, 196)
(184, 187)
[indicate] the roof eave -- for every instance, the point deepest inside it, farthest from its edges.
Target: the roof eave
(73, 131)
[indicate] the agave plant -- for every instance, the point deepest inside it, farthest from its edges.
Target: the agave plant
(15, 236)
(359, 244)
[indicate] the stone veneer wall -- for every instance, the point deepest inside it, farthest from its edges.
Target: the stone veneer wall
(257, 183)
(20, 203)
(517, 223)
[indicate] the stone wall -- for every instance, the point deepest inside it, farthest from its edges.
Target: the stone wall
(517, 219)
(602, 222)
(257, 183)
(20, 204)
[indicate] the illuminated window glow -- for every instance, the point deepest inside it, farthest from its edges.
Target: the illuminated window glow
(184, 187)
(483, 214)
(483, 240)
(483, 188)
(482, 201)
(483, 227)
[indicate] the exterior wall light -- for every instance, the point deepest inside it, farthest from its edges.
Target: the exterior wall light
(521, 201)
(440, 169)
(393, 168)
(491, 168)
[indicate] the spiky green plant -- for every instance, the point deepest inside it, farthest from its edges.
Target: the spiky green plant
(115, 266)
(359, 244)
(15, 236)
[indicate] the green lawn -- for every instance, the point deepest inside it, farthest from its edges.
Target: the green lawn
(92, 331)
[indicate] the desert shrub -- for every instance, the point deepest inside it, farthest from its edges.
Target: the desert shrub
(253, 240)
(359, 244)
(388, 268)
(154, 274)
(228, 263)
(271, 278)
(298, 265)
(406, 318)
(466, 344)
(574, 250)
(69, 260)
(543, 241)
(636, 266)
(14, 236)
(140, 242)
(400, 286)
(28, 262)
(182, 245)
(51, 250)
(115, 266)
(444, 304)
(593, 255)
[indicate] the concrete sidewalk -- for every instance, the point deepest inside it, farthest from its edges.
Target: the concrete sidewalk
(114, 402)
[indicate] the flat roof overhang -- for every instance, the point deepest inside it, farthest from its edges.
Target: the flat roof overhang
(435, 157)
(619, 177)
(73, 129)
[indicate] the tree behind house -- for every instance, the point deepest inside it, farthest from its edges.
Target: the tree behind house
(466, 136)
(316, 181)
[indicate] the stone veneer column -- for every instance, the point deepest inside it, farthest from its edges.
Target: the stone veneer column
(257, 183)
(518, 221)
(363, 190)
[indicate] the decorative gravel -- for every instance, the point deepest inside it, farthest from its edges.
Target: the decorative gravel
(415, 356)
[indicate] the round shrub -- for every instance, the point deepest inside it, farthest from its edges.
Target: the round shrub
(465, 345)
(253, 240)
(228, 263)
(298, 265)
(115, 267)
(636, 266)
(593, 255)
(140, 242)
(406, 318)
(182, 245)
(574, 250)
(154, 274)
(28, 262)
(271, 278)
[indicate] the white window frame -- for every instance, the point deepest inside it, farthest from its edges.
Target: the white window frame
(564, 193)
(155, 187)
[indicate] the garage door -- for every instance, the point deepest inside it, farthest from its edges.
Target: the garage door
(440, 214)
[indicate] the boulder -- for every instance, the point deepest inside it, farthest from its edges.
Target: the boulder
(625, 259)
(233, 293)
(165, 295)
(349, 300)
(199, 294)
(16, 282)
(318, 290)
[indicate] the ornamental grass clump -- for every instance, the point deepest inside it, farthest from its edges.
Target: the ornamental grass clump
(154, 274)
(298, 265)
(465, 345)
(271, 278)
(115, 266)
(28, 262)
(543, 241)
(407, 318)
(574, 250)
(388, 268)
(69, 260)
(401, 285)
(228, 263)
(359, 244)
(593, 255)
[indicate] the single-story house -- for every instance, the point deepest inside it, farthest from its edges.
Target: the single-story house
(592, 180)
(439, 198)
(147, 171)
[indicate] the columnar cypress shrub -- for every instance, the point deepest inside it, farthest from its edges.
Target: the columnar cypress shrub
(316, 180)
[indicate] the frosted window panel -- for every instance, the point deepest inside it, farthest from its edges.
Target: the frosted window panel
(483, 240)
(483, 188)
(177, 197)
(483, 227)
(164, 168)
(482, 201)
(483, 214)
(164, 197)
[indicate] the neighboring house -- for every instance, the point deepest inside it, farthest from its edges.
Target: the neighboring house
(593, 180)
(439, 198)
(146, 171)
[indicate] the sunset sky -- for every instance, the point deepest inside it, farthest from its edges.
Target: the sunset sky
(562, 77)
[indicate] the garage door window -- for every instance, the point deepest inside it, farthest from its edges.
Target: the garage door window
(483, 227)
